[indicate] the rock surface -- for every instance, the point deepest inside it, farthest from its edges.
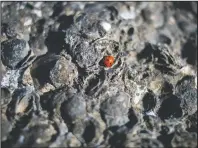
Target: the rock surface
(56, 90)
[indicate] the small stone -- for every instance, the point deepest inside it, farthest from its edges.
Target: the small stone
(63, 73)
(13, 52)
(74, 108)
(46, 88)
(27, 79)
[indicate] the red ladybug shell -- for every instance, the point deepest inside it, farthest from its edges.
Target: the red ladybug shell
(108, 61)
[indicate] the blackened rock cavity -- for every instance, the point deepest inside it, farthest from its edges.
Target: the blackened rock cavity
(89, 132)
(149, 102)
(130, 31)
(189, 52)
(164, 39)
(170, 108)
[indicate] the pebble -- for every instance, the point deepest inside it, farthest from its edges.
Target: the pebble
(13, 52)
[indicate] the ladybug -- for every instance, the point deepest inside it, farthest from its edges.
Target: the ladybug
(108, 61)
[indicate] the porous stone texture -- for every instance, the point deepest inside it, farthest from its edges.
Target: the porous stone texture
(57, 92)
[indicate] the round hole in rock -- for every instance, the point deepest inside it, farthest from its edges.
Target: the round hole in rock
(64, 114)
(149, 102)
(170, 108)
(164, 39)
(89, 132)
(122, 32)
(167, 88)
(117, 140)
(166, 139)
(189, 52)
(130, 31)
(132, 119)
(164, 130)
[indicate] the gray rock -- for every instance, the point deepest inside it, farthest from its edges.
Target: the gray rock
(13, 52)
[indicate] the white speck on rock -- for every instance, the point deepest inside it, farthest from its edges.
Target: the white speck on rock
(37, 12)
(21, 139)
(106, 26)
(151, 113)
(38, 140)
(140, 95)
(59, 67)
(28, 21)
(125, 14)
